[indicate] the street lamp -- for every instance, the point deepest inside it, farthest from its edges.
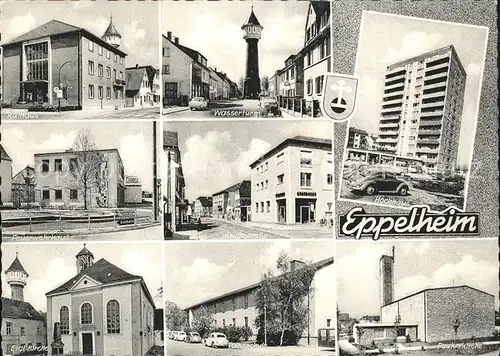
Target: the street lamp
(59, 83)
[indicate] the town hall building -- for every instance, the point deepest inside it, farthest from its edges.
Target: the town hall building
(102, 310)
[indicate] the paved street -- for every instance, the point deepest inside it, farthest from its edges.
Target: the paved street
(179, 348)
(230, 230)
(145, 113)
(220, 109)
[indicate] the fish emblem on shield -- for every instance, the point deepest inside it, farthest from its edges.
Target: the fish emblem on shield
(339, 96)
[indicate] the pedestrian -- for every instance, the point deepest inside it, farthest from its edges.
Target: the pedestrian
(199, 224)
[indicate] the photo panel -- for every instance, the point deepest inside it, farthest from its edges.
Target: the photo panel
(247, 180)
(79, 181)
(420, 141)
(82, 298)
(418, 297)
(74, 60)
(220, 295)
(230, 60)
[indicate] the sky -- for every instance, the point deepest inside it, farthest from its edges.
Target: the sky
(217, 154)
(418, 265)
(49, 266)
(136, 21)
(214, 29)
(208, 269)
(132, 139)
(387, 39)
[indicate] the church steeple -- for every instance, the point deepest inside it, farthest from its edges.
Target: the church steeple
(111, 34)
(84, 259)
(17, 279)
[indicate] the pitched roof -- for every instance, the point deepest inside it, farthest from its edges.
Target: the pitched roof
(134, 78)
(19, 310)
(316, 265)
(205, 201)
(4, 156)
(244, 185)
(111, 30)
(84, 252)
(16, 266)
(170, 138)
(102, 271)
(252, 20)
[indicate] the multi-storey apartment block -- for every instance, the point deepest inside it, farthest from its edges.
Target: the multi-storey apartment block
(90, 70)
(292, 183)
(422, 108)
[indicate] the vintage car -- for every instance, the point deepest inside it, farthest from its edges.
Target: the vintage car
(375, 180)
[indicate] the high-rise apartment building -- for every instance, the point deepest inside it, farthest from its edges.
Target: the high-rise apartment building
(422, 108)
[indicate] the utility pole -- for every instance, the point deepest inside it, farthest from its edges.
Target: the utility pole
(155, 176)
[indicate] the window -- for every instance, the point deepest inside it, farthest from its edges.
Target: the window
(113, 317)
(266, 184)
(108, 54)
(100, 91)
(91, 67)
(99, 50)
(329, 179)
(91, 91)
(115, 57)
(58, 193)
(37, 61)
(281, 158)
(401, 332)
(100, 70)
(305, 158)
(319, 84)
(165, 69)
(223, 322)
(108, 93)
(46, 194)
(64, 320)
(114, 74)
(280, 179)
(166, 51)
(233, 304)
(309, 87)
(8, 328)
(45, 165)
(86, 313)
(108, 72)
(73, 164)
(73, 194)
(328, 322)
(58, 165)
(379, 333)
(246, 322)
(245, 301)
(256, 207)
(23, 331)
(234, 321)
(91, 46)
(121, 60)
(268, 206)
(262, 207)
(121, 75)
(305, 179)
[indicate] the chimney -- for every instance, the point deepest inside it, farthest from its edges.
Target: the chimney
(176, 40)
(169, 35)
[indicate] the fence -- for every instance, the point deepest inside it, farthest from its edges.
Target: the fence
(62, 220)
(298, 106)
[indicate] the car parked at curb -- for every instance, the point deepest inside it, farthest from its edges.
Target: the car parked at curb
(198, 103)
(375, 180)
(217, 340)
(192, 338)
(181, 336)
(268, 107)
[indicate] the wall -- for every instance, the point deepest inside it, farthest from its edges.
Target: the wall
(142, 321)
(474, 309)
(77, 299)
(11, 70)
(411, 311)
(34, 333)
(65, 48)
(180, 69)
(133, 194)
(118, 344)
(381, 336)
(54, 305)
(6, 182)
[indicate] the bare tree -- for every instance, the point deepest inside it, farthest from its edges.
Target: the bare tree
(264, 83)
(24, 187)
(241, 84)
(85, 166)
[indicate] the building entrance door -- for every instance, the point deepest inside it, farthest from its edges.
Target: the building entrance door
(305, 214)
(87, 344)
(282, 214)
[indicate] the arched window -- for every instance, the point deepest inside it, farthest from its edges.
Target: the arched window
(86, 313)
(64, 319)
(113, 317)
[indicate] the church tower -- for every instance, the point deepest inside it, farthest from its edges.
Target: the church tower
(17, 279)
(84, 259)
(111, 35)
(387, 278)
(252, 34)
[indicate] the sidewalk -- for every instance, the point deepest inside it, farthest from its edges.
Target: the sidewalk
(166, 110)
(289, 350)
(275, 226)
(24, 113)
(292, 114)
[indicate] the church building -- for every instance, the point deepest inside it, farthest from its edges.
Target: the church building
(102, 310)
(23, 327)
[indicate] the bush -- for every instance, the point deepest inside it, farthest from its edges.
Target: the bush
(350, 339)
(445, 187)
(289, 338)
(5, 105)
(42, 108)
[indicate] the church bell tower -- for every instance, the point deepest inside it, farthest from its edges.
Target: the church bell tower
(252, 34)
(84, 259)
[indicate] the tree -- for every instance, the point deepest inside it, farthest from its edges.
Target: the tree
(24, 187)
(282, 301)
(264, 83)
(85, 167)
(175, 317)
(241, 84)
(202, 321)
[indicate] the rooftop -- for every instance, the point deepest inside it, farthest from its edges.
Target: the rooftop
(170, 138)
(17, 309)
(4, 156)
(16, 266)
(111, 30)
(134, 78)
(252, 20)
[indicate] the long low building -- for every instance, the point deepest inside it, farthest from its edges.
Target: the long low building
(239, 307)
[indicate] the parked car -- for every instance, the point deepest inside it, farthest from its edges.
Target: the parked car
(193, 337)
(181, 336)
(371, 181)
(173, 335)
(269, 107)
(198, 103)
(217, 340)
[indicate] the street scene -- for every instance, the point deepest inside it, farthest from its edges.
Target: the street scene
(418, 297)
(259, 70)
(216, 305)
(65, 181)
(221, 181)
(51, 306)
(80, 61)
(422, 100)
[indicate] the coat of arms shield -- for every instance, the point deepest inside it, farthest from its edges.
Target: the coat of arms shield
(339, 96)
